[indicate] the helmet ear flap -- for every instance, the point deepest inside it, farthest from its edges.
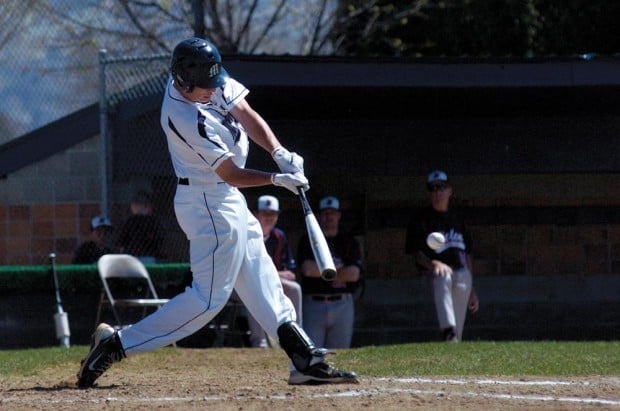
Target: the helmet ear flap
(187, 86)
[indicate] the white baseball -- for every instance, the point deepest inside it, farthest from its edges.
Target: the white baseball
(435, 240)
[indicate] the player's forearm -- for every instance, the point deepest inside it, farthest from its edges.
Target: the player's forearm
(423, 260)
(257, 128)
(236, 176)
(309, 268)
(348, 273)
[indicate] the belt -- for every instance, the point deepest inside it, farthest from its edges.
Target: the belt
(184, 181)
(335, 297)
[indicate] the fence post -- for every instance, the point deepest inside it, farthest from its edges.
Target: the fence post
(103, 134)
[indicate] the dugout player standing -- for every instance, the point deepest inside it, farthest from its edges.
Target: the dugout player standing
(329, 309)
(207, 123)
(449, 268)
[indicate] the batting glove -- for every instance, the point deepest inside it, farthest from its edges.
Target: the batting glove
(287, 161)
(290, 181)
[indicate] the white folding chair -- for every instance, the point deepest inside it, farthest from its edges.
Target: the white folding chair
(127, 267)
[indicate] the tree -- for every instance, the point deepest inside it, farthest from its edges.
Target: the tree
(12, 17)
(235, 26)
(55, 43)
(496, 28)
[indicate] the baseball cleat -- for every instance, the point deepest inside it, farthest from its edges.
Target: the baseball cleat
(105, 350)
(322, 372)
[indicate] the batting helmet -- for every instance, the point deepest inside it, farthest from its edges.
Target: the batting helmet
(197, 63)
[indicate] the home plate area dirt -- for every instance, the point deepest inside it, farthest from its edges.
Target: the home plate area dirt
(256, 379)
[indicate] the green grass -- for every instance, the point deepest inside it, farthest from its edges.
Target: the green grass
(488, 358)
(30, 362)
(467, 358)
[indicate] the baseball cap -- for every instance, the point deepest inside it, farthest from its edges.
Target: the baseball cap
(269, 203)
(437, 175)
(100, 221)
(329, 202)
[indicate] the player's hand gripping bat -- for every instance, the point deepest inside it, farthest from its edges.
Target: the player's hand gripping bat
(322, 255)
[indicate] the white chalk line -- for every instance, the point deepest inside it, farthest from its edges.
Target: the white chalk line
(372, 391)
(483, 382)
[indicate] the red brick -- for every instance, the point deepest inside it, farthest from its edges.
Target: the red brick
(42, 212)
(65, 245)
(18, 245)
(18, 259)
(65, 228)
(19, 228)
(19, 212)
(41, 246)
(64, 258)
(4, 213)
(66, 211)
(43, 229)
(90, 210)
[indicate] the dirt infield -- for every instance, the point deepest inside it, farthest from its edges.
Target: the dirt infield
(255, 379)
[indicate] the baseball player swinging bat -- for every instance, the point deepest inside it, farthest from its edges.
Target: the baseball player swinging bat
(321, 252)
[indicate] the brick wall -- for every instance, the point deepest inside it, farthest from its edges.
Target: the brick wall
(29, 233)
(47, 207)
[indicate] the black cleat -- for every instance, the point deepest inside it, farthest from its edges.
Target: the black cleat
(105, 350)
(322, 372)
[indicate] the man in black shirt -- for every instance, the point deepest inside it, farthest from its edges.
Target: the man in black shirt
(141, 235)
(98, 244)
(449, 267)
(329, 310)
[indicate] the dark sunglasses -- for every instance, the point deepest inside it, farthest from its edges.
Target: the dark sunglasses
(436, 187)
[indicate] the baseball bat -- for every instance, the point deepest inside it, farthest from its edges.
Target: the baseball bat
(61, 320)
(322, 255)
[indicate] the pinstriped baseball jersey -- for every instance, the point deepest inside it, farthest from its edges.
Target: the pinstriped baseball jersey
(206, 135)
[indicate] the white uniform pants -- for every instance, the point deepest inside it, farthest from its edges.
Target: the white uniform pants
(451, 299)
(292, 289)
(226, 252)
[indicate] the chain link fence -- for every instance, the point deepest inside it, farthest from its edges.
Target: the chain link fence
(42, 76)
(48, 48)
(134, 146)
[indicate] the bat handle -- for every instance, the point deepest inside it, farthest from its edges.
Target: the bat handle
(305, 205)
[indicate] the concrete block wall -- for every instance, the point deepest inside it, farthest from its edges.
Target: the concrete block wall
(47, 206)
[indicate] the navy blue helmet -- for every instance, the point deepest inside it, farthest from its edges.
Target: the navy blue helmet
(197, 63)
